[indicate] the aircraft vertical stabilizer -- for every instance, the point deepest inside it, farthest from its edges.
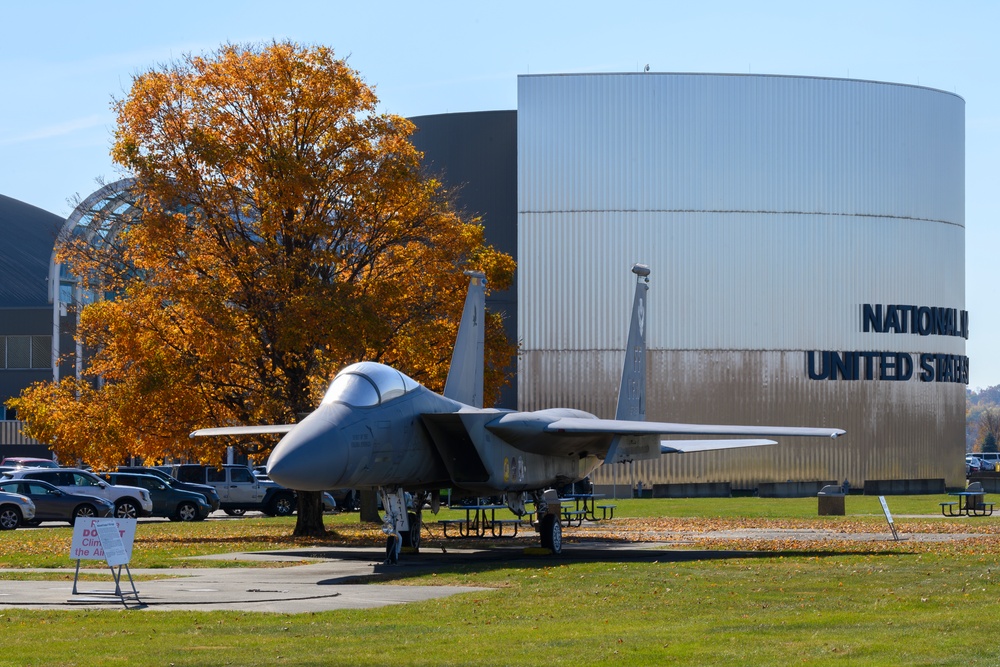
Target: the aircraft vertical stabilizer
(465, 377)
(632, 390)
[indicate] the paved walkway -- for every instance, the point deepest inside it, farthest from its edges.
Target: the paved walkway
(320, 585)
(324, 579)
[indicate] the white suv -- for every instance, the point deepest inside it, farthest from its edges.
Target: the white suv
(131, 502)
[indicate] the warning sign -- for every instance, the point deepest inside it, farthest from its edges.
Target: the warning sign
(103, 539)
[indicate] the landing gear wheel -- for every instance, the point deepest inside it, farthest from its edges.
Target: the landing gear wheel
(391, 555)
(411, 537)
(551, 533)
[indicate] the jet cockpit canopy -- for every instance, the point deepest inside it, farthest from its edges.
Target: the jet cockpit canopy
(367, 384)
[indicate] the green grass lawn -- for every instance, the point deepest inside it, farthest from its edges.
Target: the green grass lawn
(822, 603)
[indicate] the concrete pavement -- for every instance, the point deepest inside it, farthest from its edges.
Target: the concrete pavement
(323, 581)
(322, 578)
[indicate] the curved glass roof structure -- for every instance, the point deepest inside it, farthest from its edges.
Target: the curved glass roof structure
(97, 219)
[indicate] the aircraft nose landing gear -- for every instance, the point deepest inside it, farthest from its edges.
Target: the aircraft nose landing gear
(396, 523)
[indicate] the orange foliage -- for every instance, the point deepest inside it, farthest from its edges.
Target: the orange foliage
(284, 229)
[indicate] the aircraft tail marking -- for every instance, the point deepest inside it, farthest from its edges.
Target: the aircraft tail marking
(632, 389)
(465, 377)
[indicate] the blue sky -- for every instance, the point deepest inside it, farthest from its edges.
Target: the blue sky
(62, 63)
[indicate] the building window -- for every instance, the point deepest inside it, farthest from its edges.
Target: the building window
(18, 351)
(25, 352)
(41, 352)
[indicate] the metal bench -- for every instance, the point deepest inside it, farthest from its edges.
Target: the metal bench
(497, 527)
(463, 528)
(948, 509)
(569, 516)
(607, 511)
(983, 509)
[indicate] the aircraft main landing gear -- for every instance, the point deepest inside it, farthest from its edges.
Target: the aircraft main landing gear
(549, 525)
(550, 529)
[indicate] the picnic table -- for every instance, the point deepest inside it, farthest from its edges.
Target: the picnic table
(480, 520)
(971, 502)
(586, 507)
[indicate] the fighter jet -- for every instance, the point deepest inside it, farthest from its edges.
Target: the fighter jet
(377, 428)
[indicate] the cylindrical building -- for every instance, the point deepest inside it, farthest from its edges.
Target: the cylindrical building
(806, 239)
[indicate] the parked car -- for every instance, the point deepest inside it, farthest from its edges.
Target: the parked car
(992, 458)
(130, 502)
(175, 504)
(52, 504)
(239, 490)
(342, 499)
(28, 462)
(972, 464)
(211, 495)
(15, 509)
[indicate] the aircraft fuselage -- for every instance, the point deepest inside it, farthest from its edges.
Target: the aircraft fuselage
(421, 440)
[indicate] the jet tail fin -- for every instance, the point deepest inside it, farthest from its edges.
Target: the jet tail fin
(465, 377)
(632, 390)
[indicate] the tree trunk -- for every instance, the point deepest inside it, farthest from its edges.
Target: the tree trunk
(369, 507)
(310, 515)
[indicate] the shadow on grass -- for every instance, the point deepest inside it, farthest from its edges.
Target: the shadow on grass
(465, 561)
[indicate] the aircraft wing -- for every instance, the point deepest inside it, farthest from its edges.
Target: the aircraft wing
(637, 439)
(687, 446)
(626, 427)
(242, 430)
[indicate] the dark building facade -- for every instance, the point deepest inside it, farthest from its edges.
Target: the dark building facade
(475, 156)
(25, 312)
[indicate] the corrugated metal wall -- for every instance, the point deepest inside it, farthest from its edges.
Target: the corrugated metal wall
(769, 209)
(10, 434)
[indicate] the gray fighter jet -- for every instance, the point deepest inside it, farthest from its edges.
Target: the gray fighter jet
(377, 428)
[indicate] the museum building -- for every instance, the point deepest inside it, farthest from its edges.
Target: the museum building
(806, 238)
(806, 244)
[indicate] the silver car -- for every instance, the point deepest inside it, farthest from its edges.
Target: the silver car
(52, 504)
(130, 502)
(15, 509)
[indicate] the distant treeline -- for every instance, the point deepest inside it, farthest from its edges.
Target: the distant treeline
(977, 402)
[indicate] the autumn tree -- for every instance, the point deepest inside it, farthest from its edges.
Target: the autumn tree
(282, 228)
(989, 428)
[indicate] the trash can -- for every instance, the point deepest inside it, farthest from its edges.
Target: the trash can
(831, 501)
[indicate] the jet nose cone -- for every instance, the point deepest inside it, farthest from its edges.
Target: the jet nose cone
(311, 457)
